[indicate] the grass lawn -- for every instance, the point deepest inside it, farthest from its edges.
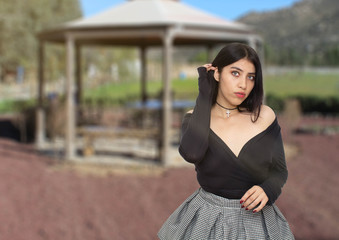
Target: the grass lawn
(292, 84)
(117, 92)
(322, 86)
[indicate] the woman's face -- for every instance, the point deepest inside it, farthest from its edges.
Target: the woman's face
(236, 82)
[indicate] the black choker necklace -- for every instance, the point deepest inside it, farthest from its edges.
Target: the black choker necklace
(227, 109)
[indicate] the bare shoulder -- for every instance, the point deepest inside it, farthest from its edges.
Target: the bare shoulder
(267, 115)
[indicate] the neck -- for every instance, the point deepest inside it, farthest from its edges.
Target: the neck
(233, 108)
(228, 110)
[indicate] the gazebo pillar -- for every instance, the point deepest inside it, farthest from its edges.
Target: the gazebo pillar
(256, 44)
(40, 114)
(166, 98)
(252, 41)
(143, 59)
(78, 75)
(209, 53)
(70, 147)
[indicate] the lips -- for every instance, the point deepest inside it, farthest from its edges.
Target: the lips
(240, 94)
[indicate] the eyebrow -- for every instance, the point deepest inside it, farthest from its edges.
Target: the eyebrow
(241, 70)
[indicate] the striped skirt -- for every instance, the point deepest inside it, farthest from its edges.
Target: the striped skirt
(204, 215)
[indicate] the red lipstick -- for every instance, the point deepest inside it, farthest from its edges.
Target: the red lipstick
(240, 94)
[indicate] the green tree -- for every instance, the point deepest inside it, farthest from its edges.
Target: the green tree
(20, 21)
(332, 56)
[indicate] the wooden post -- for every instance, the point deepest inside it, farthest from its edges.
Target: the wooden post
(209, 53)
(256, 44)
(78, 79)
(143, 59)
(166, 98)
(78, 75)
(70, 99)
(252, 42)
(40, 114)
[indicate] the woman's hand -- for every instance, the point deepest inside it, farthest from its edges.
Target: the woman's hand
(206, 81)
(209, 67)
(255, 196)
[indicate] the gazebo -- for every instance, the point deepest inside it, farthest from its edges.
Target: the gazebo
(135, 23)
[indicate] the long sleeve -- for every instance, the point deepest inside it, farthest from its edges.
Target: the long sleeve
(278, 173)
(196, 126)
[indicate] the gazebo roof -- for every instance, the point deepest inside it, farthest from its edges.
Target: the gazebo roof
(147, 18)
(154, 12)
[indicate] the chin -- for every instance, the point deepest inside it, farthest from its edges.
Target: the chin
(239, 102)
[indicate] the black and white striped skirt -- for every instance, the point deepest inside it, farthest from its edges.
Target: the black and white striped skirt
(204, 215)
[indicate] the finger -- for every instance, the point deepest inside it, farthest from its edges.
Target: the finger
(250, 200)
(207, 65)
(261, 206)
(247, 195)
(254, 203)
(251, 195)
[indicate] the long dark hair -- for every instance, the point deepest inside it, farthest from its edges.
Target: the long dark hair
(232, 53)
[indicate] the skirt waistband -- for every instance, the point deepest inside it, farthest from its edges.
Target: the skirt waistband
(218, 200)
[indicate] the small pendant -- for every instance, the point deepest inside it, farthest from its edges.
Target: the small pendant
(228, 113)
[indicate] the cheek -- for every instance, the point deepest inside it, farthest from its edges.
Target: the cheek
(224, 85)
(226, 81)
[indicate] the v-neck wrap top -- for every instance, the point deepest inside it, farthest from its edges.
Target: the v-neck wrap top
(261, 160)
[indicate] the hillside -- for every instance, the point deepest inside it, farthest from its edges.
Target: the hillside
(307, 29)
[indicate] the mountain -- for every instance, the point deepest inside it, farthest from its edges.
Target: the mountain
(305, 33)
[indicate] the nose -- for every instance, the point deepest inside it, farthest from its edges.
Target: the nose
(242, 83)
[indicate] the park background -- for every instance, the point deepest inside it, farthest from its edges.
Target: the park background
(46, 197)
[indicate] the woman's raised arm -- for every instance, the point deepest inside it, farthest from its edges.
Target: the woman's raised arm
(196, 125)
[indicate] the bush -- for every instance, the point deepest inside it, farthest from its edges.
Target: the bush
(275, 102)
(15, 106)
(309, 103)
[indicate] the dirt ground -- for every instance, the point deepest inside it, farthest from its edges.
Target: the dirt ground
(42, 199)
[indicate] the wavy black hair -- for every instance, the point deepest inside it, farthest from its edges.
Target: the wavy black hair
(234, 52)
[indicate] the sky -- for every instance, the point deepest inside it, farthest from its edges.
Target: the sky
(227, 9)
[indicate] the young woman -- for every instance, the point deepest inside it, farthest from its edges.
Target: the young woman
(235, 143)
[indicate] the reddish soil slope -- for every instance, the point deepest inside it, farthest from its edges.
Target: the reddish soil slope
(39, 202)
